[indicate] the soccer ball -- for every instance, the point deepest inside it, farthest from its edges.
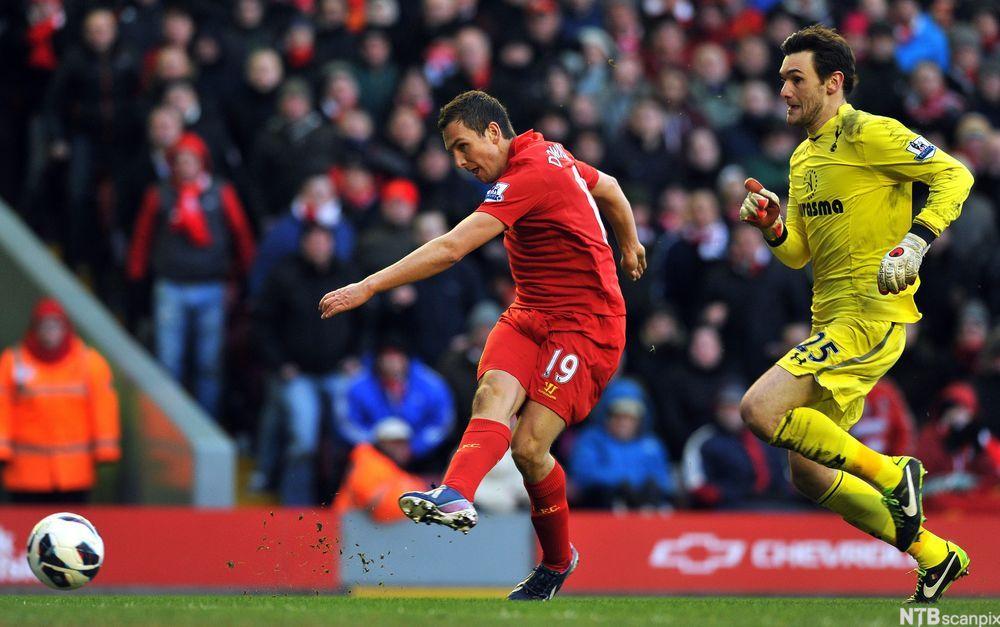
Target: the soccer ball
(65, 551)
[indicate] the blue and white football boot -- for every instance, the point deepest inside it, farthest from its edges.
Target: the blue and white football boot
(543, 582)
(442, 505)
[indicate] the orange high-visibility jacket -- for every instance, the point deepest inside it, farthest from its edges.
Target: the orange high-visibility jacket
(56, 419)
(374, 483)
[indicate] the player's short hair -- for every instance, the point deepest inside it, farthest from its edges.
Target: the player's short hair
(830, 52)
(476, 109)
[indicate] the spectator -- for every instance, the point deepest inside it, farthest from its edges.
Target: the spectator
(931, 106)
(627, 86)
(918, 38)
(727, 467)
(377, 73)
(443, 302)
(886, 425)
(253, 103)
(442, 187)
(398, 385)
(406, 135)
(597, 49)
(691, 388)
(711, 90)
(202, 119)
(961, 456)
(299, 46)
(333, 39)
(151, 166)
(249, 30)
(58, 412)
(89, 120)
(376, 476)
(392, 238)
(305, 354)
(641, 154)
(341, 93)
(459, 365)
(316, 203)
(295, 143)
(753, 286)
(770, 163)
(745, 137)
(881, 83)
(194, 232)
(617, 463)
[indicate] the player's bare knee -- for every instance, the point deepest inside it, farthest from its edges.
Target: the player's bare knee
(528, 453)
(756, 416)
(490, 399)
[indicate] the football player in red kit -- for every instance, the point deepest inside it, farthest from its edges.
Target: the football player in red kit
(556, 347)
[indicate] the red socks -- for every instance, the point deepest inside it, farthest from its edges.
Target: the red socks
(482, 446)
(550, 517)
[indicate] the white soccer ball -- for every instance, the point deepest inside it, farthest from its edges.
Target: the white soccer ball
(65, 551)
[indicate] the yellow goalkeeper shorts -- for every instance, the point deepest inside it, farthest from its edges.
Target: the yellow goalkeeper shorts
(847, 357)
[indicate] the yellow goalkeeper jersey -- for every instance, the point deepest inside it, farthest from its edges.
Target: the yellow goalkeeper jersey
(850, 202)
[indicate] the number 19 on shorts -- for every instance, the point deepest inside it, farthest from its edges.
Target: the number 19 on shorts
(565, 364)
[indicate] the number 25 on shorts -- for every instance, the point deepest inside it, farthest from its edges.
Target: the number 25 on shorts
(809, 349)
(566, 366)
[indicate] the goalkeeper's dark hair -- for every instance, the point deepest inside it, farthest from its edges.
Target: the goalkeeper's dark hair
(476, 109)
(830, 52)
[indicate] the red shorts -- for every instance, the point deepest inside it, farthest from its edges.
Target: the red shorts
(563, 360)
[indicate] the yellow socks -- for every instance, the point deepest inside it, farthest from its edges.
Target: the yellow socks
(813, 435)
(928, 549)
(861, 505)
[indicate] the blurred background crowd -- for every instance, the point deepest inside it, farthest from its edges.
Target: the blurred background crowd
(211, 168)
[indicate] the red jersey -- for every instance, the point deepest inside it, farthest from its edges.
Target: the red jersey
(556, 243)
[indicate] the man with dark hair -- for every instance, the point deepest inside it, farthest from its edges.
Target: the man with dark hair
(553, 351)
(849, 203)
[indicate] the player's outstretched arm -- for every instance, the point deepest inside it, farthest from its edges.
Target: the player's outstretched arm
(902, 155)
(432, 258)
(616, 208)
(762, 209)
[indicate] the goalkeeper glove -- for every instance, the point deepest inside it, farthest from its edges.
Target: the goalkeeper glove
(900, 265)
(761, 208)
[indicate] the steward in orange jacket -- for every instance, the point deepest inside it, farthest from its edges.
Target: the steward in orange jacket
(58, 412)
(375, 479)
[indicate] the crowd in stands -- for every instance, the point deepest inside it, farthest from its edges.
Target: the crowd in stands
(211, 169)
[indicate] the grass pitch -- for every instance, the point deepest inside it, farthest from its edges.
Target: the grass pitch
(92, 609)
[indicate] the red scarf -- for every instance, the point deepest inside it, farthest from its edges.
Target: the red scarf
(188, 216)
(300, 56)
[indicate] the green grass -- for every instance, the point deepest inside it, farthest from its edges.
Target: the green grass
(89, 609)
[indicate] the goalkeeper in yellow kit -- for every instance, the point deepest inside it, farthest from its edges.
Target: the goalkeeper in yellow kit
(849, 212)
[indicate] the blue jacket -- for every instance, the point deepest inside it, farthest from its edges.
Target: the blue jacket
(720, 459)
(426, 406)
(598, 459)
(929, 43)
(283, 240)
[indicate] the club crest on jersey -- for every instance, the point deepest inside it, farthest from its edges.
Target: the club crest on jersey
(921, 148)
(495, 194)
